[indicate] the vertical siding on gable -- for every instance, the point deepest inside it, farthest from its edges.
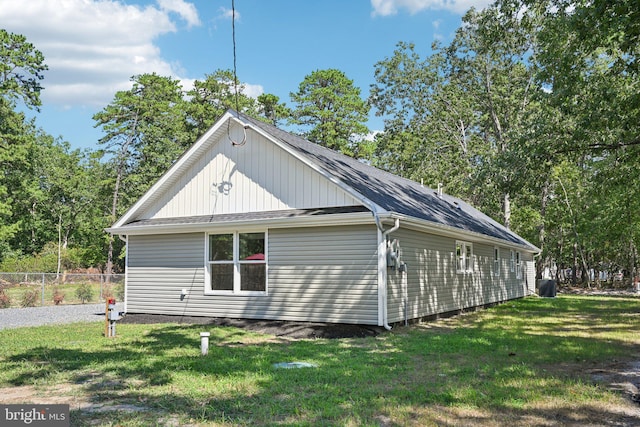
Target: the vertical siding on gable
(320, 274)
(434, 286)
(258, 176)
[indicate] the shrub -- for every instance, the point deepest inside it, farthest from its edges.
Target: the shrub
(84, 293)
(5, 300)
(120, 291)
(29, 298)
(107, 292)
(58, 296)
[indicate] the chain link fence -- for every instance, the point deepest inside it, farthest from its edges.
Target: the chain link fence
(40, 289)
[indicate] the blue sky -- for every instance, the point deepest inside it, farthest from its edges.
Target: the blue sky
(93, 47)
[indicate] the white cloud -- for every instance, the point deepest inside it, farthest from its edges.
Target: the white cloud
(229, 14)
(187, 11)
(391, 7)
(253, 91)
(93, 47)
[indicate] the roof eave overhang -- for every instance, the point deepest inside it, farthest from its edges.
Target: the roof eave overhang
(358, 218)
(457, 233)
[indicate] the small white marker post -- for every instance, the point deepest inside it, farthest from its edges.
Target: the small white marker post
(204, 342)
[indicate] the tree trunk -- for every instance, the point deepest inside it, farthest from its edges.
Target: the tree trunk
(114, 207)
(574, 272)
(59, 245)
(122, 157)
(507, 210)
(633, 270)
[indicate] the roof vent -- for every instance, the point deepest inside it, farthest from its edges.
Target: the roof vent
(440, 190)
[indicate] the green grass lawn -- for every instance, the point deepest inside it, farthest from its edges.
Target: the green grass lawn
(528, 362)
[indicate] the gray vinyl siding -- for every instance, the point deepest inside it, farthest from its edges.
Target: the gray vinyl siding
(159, 267)
(434, 286)
(319, 274)
(324, 274)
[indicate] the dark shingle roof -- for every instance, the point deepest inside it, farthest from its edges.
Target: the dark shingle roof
(393, 193)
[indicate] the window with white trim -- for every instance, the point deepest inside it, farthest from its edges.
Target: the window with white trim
(236, 263)
(464, 257)
(496, 261)
(518, 266)
(512, 261)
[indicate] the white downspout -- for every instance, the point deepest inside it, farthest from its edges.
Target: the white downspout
(125, 239)
(382, 269)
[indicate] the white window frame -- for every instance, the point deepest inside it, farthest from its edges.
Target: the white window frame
(464, 261)
(518, 266)
(512, 261)
(237, 262)
(496, 261)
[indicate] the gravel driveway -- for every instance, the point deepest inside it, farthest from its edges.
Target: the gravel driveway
(49, 315)
(58, 314)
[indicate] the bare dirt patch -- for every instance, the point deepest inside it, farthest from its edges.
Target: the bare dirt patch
(621, 377)
(74, 395)
(577, 290)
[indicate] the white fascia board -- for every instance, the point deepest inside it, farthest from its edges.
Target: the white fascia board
(358, 218)
(369, 204)
(457, 233)
(175, 168)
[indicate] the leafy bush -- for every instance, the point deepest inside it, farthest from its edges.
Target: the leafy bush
(84, 293)
(107, 292)
(113, 290)
(5, 300)
(46, 261)
(120, 291)
(58, 296)
(29, 298)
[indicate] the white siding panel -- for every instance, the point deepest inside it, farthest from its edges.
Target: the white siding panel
(258, 176)
(315, 274)
(434, 287)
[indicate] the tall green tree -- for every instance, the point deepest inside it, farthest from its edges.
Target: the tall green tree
(271, 109)
(211, 97)
(21, 69)
(145, 132)
(459, 116)
(587, 59)
(429, 122)
(329, 108)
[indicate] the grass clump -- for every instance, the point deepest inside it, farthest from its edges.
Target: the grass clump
(527, 362)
